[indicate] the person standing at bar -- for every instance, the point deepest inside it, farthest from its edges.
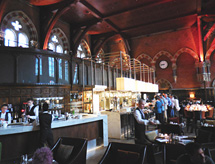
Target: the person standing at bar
(45, 120)
(32, 110)
(4, 115)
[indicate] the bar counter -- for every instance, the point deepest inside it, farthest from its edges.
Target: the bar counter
(19, 139)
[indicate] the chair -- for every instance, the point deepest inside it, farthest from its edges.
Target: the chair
(174, 119)
(211, 112)
(170, 128)
(70, 150)
(120, 153)
(172, 152)
(189, 119)
(209, 149)
(203, 136)
(0, 150)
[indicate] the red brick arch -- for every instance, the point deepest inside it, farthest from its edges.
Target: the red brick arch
(144, 56)
(209, 52)
(24, 19)
(166, 82)
(159, 54)
(61, 35)
(86, 46)
(187, 50)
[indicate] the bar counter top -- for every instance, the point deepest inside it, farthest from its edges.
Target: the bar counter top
(86, 118)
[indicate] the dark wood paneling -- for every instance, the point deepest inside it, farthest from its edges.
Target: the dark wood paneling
(16, 95)
(15, 145)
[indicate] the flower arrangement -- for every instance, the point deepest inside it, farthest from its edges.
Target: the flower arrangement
(42, 156)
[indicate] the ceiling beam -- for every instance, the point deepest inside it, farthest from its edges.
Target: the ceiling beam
(2, 8)
(99, 45)
(43, 2)
(155, 22)
(137, 8)
(57, 6)
(47, 27)
(98, 15)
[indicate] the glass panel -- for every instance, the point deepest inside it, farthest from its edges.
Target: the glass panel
(23, 40)
(51, 46)
(80, 52)
(10, 38)
(51, 67)
(60, 69)
(16, 25)
(36, 67)
(59, 49)
(75, 78)
(54, 39)
(66, 71)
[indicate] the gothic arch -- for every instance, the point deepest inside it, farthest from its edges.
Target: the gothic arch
(86, 46)
(159, 54)
(144, 56)
(187, 50)
(209, 52)
(164, 84)
(61, 35)
(24, 19)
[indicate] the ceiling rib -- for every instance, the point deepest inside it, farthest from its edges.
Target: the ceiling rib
(160, 21)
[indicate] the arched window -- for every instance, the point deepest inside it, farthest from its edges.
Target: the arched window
(51, 46)
(15, 35)
(55, 44)
(99, 56)
(10, 38)
(83, 50)
(22, 40)
(59, 49)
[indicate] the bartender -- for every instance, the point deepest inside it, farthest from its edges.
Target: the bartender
(32, 111)
(4, 115)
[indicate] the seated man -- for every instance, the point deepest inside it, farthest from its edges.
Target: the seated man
(4, 115)
(195, 155)
(140, 122)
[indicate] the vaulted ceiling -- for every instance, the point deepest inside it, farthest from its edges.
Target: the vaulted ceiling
(128, 18)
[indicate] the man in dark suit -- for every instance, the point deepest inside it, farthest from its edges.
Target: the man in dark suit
(46, 135)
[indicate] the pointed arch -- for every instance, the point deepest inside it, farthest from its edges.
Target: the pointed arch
(159, 54)
(144, 56)
(24, 19)
(187, 50)
(83, 50)
(61, 35)
(209, 52)
(164, 84)
(86, 46)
